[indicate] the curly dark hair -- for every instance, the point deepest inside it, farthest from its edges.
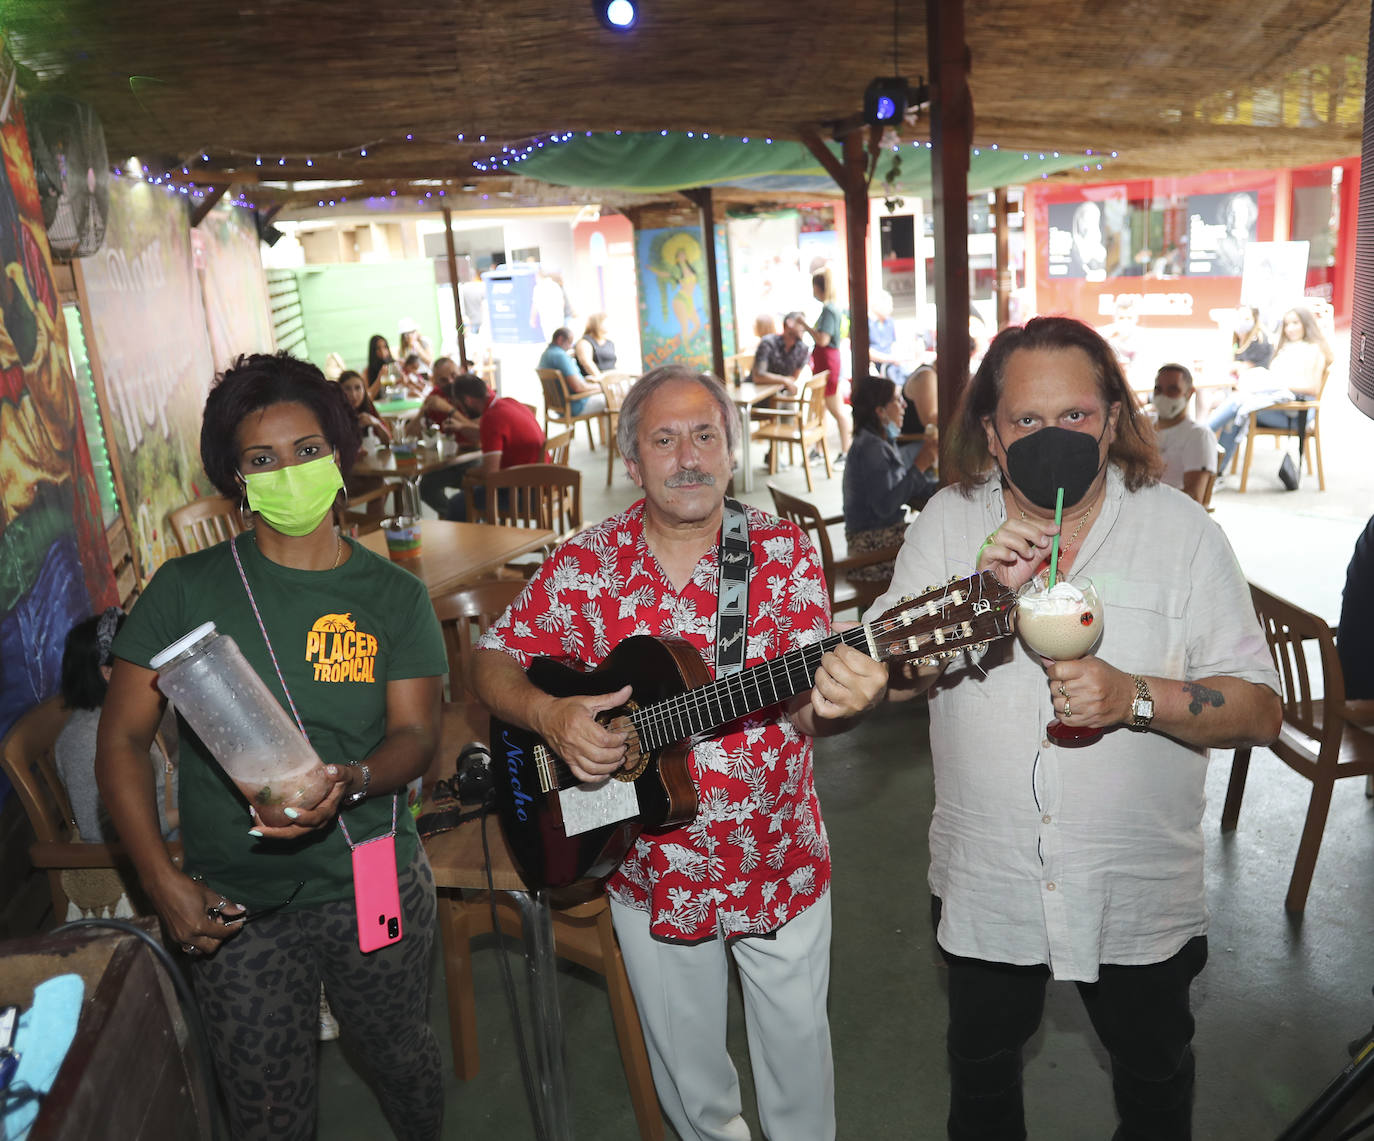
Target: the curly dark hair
(1134, 449)
(869, 395)
(258, 381)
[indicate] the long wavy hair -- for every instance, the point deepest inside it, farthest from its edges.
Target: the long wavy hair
(1134, 449)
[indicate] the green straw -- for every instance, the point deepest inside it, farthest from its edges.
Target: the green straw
(1054, 547)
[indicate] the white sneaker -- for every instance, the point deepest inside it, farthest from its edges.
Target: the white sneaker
(329, 1025)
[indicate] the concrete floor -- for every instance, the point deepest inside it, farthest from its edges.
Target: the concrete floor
(1275, 1007)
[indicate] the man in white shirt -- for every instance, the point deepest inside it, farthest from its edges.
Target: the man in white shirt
(1084, 864)
(1189, 449)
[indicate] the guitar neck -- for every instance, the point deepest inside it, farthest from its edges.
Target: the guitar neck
(707, 707)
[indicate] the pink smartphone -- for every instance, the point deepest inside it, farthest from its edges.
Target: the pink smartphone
(376, 893)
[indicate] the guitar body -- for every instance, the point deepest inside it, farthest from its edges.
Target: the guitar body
(530, 812)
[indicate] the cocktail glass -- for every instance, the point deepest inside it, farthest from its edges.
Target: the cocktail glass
(1061, 623)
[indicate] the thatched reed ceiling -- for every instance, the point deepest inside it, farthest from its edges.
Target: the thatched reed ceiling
(1173, 87)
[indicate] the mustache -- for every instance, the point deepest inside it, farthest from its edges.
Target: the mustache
(690, 477)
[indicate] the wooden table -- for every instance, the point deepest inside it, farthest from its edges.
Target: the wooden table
(746, 396)
(455, 553)
(382, 464)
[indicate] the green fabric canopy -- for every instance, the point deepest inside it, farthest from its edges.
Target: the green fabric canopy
(648, 163)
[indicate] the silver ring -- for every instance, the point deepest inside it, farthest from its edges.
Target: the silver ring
(1067, 712)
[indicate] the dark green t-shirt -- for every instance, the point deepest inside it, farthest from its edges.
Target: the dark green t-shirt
(339, 637)
(829, 322)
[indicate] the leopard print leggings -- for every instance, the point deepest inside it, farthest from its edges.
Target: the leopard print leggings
(259, 999)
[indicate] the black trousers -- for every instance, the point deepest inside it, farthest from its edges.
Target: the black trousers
(1140, 1014)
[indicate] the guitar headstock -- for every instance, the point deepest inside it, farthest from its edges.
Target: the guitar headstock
(945, 620)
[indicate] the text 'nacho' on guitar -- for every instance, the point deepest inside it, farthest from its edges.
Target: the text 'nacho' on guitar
(562, 833)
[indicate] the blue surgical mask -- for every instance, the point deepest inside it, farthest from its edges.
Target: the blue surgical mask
(892, 430)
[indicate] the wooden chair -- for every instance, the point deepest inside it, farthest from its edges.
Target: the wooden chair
(26, 755)
(1318, 740)
(1297, 411)
(558, 446)
(582, 934)
(615, 387)
(204, 522)
(802, 423)
(1209, 482)
(536, 495)
(558, 405)
(843, 593)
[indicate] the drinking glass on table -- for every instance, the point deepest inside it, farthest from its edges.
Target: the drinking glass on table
(1061, 622)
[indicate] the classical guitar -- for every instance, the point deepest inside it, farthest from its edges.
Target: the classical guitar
(562, 833)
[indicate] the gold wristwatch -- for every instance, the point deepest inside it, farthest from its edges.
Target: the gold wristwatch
(1143, 707)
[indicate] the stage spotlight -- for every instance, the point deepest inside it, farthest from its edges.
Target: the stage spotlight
(885, 100)
(618, 15)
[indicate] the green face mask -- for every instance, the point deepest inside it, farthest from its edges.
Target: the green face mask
(294, 499)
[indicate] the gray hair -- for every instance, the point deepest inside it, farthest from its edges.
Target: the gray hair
(632, 410)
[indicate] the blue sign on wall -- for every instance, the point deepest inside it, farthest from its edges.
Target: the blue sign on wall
(510, 304)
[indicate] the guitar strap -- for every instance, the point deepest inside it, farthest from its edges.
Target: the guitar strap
(732, 613)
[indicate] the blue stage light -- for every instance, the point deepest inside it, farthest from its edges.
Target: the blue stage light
(618, 15)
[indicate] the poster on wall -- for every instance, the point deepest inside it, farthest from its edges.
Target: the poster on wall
(238, 313)
(147, 323)
(672, 298)
(1092, 241)
(54, 564)
(1220, 226)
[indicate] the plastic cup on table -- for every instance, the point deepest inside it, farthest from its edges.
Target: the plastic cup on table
(402, 537)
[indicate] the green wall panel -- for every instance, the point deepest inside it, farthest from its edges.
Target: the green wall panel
(343, 305)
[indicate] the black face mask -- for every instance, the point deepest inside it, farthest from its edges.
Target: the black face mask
(1043, 462)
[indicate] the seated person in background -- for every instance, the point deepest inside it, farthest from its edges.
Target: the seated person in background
(86, 663)
(882, 339)
(355, 392)
(780, 357)
(440, 409)
(922, 393)
(414, 341)
(509, 435)
(595, 352)
(1188, 448)
(586, 397)
(878, 481)
(414, 374)
(1295, 373)
(1250, 347)
(765, 325)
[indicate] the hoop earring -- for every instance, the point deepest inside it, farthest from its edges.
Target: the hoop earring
(245, 514)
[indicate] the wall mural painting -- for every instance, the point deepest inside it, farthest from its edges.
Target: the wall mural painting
(673, 314)
(147, 323)
(238, 313)
(54, 564)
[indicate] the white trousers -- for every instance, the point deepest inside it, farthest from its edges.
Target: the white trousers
(682, 991)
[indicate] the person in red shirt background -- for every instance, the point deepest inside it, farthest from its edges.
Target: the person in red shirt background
(507, 432)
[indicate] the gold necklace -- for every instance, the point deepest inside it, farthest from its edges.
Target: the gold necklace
(1072, 538)
(338, 549)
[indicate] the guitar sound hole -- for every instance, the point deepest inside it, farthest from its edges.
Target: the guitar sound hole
(636, 760)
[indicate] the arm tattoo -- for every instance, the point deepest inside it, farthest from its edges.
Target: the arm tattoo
(1201, 696)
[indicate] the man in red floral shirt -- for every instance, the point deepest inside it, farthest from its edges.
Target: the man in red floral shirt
(750, 874)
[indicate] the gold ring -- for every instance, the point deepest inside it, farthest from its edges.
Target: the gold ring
(1067, 712)
(1064, 693)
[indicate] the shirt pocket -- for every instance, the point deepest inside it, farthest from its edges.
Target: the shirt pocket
(1145, 632)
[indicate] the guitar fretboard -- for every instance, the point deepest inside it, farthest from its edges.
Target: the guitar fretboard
(727, 699)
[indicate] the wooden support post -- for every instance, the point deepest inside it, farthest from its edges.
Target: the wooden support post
(856, 249)
(951, 122)
(852, 178)
(453, 283)
(704, 200)
(999, 210)
(206, 204)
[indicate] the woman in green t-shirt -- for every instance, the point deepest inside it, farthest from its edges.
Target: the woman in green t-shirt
(348, 643)
(825, 357)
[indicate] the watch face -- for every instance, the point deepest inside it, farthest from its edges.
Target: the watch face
(1144, 708)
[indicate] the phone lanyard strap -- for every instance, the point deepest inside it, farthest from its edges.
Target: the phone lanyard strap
(271, 653)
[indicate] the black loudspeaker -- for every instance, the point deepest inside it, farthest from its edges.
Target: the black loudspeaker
(1362, 308)
(267, 232)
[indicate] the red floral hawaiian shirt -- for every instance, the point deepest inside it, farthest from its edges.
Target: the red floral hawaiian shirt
(757, 854)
